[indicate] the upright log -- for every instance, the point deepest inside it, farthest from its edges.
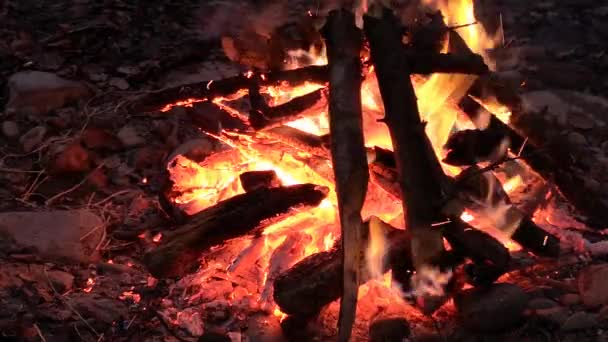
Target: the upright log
(240, 215)
(420, 174)
(349, 158)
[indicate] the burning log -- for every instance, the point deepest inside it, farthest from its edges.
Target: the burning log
(471, 146)
(570, 129)
(282, 259)
(267, 117)
(314, 282)
(349, 158)
(240, 215)
(254, 180)
(420, 174)
(421, 63)
(473, 187)
(303, 141)
(226, 87)
(557, 148)
(490, 258)
(428, 63)
(471, 191)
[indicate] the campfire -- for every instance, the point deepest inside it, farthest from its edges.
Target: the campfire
(301, 205)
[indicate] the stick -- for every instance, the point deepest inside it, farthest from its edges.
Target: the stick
(422, 63)
(240, 215)
(349, 158)
(420, 174)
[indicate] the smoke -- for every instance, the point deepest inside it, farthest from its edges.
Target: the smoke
(233, 18)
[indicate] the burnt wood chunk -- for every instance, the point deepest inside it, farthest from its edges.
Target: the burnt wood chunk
(311, 104)
(253, 180)
(315, 281)
(471, 146)
(244, 214)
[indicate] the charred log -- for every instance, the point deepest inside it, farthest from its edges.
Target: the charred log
(420, 174)
(470, 190)
(300, 140)
(389, 329)
(571, 130)
(421, 63)
(471, 146)
(490, 258)
(253, 180)
(266, 117)
(212, 119)
(225, 87)
(349, 158)
(314, 282)
(473, 187)
(240, 215)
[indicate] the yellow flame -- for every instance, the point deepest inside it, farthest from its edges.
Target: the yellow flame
(376, 248)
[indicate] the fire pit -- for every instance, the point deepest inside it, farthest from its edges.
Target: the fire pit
(263, 214)
(390, 185)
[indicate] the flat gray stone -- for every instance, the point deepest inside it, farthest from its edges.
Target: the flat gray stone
(37, 92)
(70, 235)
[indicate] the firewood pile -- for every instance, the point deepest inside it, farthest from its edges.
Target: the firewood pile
(390, 185)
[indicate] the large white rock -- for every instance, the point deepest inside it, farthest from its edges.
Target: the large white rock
(70, 235)
(37, 92)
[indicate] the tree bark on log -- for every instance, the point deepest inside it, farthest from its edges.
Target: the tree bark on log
(240, 215)
(349, 157)
(420, 174)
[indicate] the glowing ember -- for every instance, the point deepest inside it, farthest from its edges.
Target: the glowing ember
(157, 237)
(89, 285)
(186, 103)
(467, 216)
(130, 295)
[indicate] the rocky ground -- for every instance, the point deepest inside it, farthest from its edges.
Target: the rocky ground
(80, 174)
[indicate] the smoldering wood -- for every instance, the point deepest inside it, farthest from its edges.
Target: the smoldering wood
(429, 62)
(314, 282)
(210, 89)
(253, 180)
(471, 146)
(490, 257)
(303, 141)
(240, 215)
(574, 143)
(421, 63)
(281, 259)
(470, 190)
(310, 104)
(384, 329)
(349, 158)
(210, 118)
(518, 145)
(472, 186)
(547, 149)
(420, 176)
(249, 255)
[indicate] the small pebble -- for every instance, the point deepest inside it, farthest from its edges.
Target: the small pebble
(570, 299)
(10, 129)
